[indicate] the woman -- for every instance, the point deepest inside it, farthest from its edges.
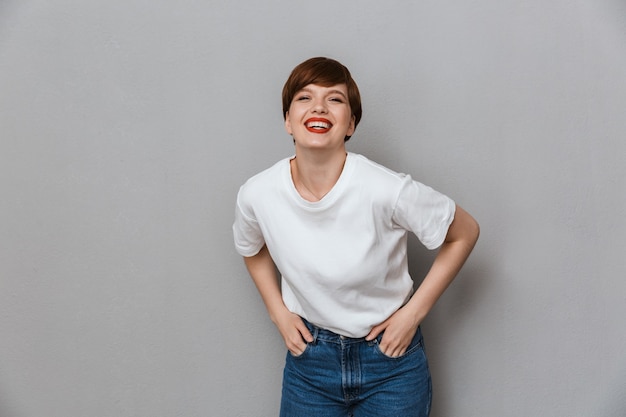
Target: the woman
(335, 225)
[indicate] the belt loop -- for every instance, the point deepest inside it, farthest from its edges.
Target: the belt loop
(316, 331)
(312, 328)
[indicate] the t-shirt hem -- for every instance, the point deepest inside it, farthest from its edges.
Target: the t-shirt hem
(443, 231)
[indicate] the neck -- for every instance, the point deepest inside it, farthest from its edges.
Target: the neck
(314, 176)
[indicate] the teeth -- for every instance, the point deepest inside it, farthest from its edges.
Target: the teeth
(318, 125)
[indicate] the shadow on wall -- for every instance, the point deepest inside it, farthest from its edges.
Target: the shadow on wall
(613, 402)
(451, 314)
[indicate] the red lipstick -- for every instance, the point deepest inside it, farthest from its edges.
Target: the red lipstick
(318, 125)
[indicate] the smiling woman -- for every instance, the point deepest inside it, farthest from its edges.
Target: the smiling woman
(323, 72)
(320, 117)
(335, 225)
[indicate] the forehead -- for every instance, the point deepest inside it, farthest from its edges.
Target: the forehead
(326, 89)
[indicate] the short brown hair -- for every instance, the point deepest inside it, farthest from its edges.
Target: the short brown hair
(325, 72)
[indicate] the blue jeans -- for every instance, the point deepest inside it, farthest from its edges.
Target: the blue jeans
(338, 376)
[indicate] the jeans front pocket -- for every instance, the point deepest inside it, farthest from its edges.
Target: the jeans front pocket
(415, 345)
(304, 352)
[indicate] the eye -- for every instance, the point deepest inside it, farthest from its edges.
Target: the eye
(336, 99)
(302, 97)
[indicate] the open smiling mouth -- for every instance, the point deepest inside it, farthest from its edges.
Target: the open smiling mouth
(317, 125)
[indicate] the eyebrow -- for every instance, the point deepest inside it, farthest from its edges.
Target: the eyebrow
(330, 92)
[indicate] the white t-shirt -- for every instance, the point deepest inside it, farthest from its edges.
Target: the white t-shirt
(343, 259)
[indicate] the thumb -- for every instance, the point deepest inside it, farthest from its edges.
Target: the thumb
(376, 330)
(304, 331)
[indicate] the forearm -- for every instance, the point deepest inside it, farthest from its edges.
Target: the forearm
(446, 266)
(460, 241)
(263, 273)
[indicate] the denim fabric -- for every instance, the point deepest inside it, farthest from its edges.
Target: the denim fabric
(338, 376)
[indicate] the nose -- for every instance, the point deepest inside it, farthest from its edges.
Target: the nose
(319, 106)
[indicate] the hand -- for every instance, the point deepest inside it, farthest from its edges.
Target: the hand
(294, 332)
(399, 328)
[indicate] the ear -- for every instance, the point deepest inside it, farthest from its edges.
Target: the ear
(288, 124)
(352, 127)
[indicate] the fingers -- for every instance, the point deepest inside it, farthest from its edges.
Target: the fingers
(390, 345)
(304, 331)
(393, 348)
(393, 352)
(297, 350)
(295, 343)
(395, 341)
(297, 335)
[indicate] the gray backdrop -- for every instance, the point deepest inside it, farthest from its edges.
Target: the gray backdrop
(127, 127)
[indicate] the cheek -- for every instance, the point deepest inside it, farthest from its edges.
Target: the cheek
(291, 119)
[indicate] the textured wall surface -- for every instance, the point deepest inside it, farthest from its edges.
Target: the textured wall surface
(127, 126)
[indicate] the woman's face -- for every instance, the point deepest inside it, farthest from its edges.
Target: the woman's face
(320, 117)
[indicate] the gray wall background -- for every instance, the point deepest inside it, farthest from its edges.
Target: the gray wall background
(127, 127)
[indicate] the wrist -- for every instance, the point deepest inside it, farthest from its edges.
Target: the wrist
(417, 308)
(278, 312)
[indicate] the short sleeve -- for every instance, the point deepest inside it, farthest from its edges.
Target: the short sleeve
(246, 231)
(424, 211)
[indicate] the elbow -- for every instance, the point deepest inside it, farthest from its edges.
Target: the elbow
(468, 228)
(475, 231)
(472, 228)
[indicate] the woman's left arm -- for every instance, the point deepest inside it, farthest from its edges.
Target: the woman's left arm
(401, 327)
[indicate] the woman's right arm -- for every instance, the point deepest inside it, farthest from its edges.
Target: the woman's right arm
(263, 272)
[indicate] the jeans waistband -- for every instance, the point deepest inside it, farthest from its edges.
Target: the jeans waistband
(328, 336)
